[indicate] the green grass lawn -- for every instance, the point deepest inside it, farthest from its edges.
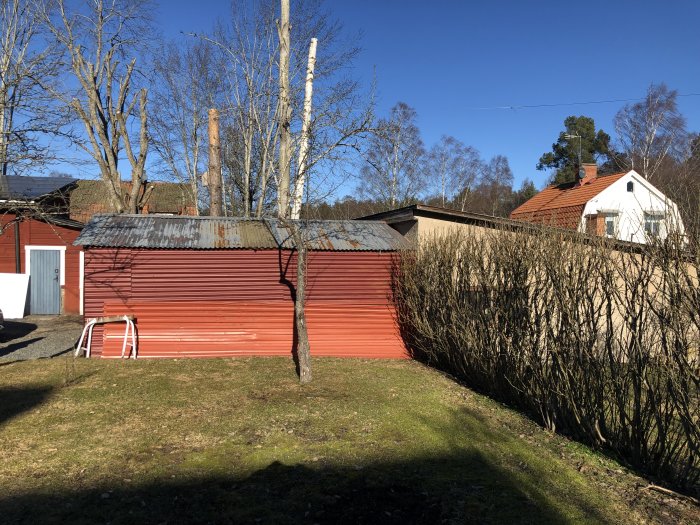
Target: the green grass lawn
(241, 441)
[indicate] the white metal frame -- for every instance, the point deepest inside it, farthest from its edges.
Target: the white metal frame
(87, 331)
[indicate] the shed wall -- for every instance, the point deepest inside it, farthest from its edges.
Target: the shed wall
(428, 228)
(217, 303)
(38, 233)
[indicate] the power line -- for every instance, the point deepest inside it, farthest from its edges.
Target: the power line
(587, 103)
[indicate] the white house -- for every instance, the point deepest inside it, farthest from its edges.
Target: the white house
(623, 206)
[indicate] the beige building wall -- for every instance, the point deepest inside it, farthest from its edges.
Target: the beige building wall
(426, 228)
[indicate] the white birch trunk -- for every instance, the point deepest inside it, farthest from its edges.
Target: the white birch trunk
(284, 116)
(298, 195)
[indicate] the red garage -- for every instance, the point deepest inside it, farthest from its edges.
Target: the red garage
(220, 287)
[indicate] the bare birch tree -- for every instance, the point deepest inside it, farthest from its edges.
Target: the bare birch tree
(452, 167)
(28, 65)
(392, 174)
(249, 60)
(102, 39)
(342, 112)
(188, 81)
(246, 66)
(650, 130)
(496, 186)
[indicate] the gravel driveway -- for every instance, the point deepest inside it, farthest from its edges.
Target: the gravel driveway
(39, 336)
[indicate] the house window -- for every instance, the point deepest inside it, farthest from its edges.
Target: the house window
(611, 224)
(630, 186)
(652, 223)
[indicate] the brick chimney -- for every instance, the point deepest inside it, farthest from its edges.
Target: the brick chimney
(590, 172)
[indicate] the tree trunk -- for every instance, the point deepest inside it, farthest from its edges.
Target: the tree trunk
(284, 114)
(247, 163)
(137, 199)
(298, 196)
(285, 150)
(303, 347)
(214, 174)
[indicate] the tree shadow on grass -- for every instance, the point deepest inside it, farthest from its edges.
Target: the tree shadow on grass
(459, 488)
(15, 401)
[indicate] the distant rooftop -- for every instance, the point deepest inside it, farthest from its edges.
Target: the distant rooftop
(90, 197)
(32, 188)
(562, 205)
(206, 233)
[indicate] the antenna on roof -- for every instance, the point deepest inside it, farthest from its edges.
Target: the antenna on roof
(581, 171)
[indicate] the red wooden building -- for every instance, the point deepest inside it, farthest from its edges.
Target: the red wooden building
(43, 248)
(216, 287)
(36, 238)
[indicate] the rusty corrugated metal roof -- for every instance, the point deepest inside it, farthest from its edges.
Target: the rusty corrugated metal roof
(340, 235)
(206, 233)
(162, 231)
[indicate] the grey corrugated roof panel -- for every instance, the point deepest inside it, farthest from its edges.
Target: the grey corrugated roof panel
(164, 231)
(341, 235)
(30, 188)
(206, 233)
(64, 221)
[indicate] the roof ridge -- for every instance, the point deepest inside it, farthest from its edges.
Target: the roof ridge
(236, 218)
(156, 215)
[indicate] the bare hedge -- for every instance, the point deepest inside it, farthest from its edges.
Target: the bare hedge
(598, 344)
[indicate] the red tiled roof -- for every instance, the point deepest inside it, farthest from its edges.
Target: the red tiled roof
(562, 205)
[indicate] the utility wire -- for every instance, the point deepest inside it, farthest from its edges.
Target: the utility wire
(588, 103)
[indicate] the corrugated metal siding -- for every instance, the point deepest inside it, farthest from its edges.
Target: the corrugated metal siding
(228, 303)
(204, 328)
(360, 277)
(221, 275)
(367, 331)
(107, 278)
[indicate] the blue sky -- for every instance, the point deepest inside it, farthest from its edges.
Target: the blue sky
(448, 58)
